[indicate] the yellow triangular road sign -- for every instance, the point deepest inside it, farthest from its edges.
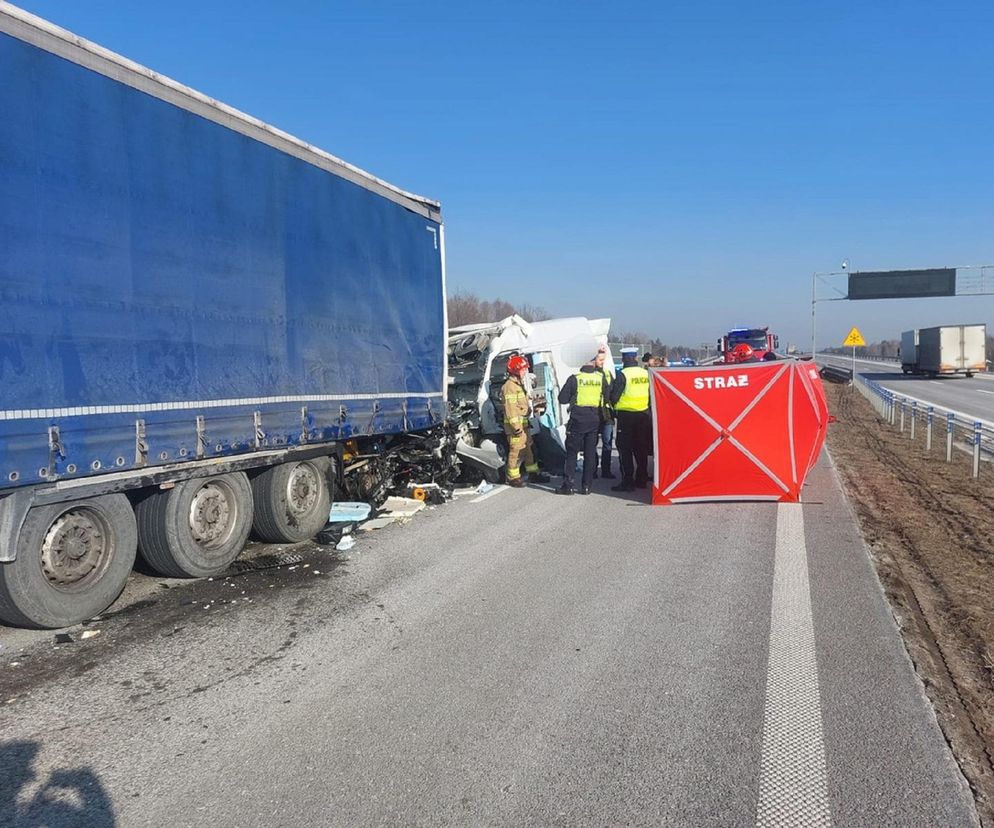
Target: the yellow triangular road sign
(854, 338)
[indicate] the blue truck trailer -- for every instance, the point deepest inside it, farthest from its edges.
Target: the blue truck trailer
(201, 316)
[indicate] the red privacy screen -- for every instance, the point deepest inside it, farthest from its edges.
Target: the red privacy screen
(736, 432)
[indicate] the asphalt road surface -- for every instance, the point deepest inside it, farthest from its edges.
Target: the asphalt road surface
(520, 659)
(972, 396)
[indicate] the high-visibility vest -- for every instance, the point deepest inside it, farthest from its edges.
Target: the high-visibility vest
(589, 389)
(635, 397)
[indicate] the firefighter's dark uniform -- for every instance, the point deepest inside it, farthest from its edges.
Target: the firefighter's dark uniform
(519, 442)
(586, 393)
(630, 395)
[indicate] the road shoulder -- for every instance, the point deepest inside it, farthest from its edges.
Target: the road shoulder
(872, 687)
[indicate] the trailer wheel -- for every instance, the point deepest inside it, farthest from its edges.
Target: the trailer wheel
(292, 500)
(198, 527)
(73, 560)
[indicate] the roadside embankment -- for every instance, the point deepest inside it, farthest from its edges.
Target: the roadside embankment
(930, 528)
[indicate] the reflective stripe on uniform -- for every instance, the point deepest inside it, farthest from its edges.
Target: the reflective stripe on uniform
(589, 389)
(635, 397)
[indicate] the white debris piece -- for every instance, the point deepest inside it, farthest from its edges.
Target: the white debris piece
(345, 544)
(402, 506)
(89, 633)
(378, 523)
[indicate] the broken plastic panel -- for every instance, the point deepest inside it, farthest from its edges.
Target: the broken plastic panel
(349, 512)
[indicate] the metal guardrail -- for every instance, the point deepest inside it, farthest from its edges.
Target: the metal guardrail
(910, 414)
(880, 359)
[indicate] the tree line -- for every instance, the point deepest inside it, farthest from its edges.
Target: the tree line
(654, 345)
(890, 349)
(468, 309)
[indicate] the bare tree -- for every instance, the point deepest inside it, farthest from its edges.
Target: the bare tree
(468, 308)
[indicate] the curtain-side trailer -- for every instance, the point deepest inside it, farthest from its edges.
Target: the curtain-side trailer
(198, 311)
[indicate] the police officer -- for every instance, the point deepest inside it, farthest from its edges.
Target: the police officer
(516, 413)
(630, 395)
(586, 392)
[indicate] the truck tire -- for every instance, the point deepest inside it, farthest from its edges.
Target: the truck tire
(198, 527)
(292, 500)
(73, 560)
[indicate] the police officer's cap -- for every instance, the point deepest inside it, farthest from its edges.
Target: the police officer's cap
(629, 351)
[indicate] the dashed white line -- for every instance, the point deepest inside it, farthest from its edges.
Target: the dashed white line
(792, 784)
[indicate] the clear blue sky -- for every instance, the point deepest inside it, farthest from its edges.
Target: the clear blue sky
(680, 166)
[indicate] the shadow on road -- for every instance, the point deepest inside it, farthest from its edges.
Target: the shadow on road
(68, 797)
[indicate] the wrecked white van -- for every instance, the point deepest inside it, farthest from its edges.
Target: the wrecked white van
(555, 348)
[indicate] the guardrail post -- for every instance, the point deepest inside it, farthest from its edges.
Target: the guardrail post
(902, 415)
(928, 431)
(914, 417)
(950, 425)
(976, 448)
(890, 407)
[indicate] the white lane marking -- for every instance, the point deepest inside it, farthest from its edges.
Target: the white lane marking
(982, 391)
(496, 490)
(792, 783)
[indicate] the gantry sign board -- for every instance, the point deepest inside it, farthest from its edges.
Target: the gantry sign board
(902, 284)
(854, 338)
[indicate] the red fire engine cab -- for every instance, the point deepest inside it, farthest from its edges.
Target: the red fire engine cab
(748, 345)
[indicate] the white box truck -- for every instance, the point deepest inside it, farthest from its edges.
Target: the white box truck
(945, 349)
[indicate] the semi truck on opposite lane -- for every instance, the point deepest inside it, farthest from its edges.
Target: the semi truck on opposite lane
(945, 349)
(200, 313)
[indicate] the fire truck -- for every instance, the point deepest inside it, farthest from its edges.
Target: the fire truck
(748, 345)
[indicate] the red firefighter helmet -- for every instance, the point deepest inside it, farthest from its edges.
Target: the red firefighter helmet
(742, 352)
(516, 364)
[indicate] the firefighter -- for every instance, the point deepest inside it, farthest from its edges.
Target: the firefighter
(586, 392)
(630, 395)
(517, 410)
